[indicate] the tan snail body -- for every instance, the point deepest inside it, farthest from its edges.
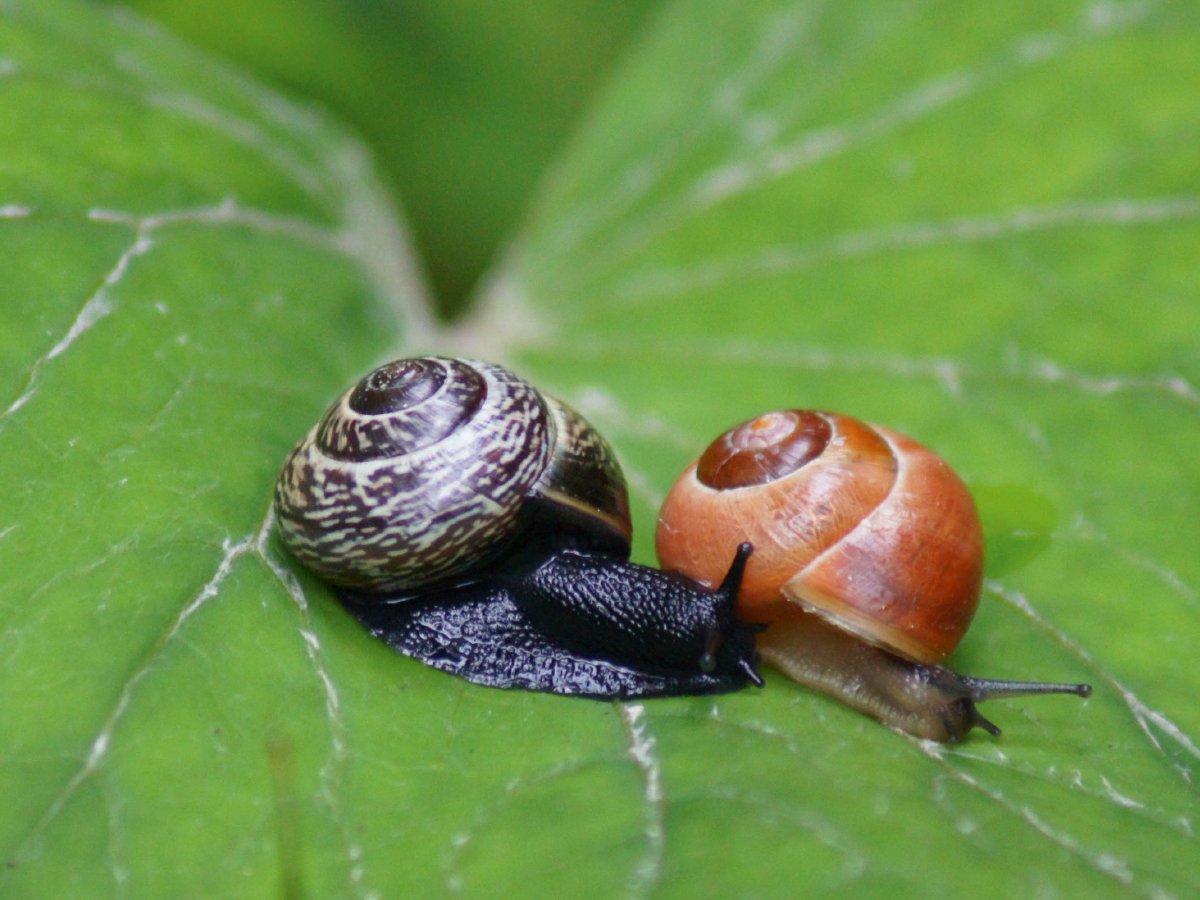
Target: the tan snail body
(867, 566)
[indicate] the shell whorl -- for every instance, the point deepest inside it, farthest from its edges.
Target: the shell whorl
(413, 473)
(420, 471)
(400, 408)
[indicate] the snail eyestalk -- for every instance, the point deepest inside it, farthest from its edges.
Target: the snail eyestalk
(993, 689)
(961, 714)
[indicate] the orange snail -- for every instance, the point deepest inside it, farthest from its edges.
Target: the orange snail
(867, 564)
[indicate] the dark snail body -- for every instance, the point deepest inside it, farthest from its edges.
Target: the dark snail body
(583, 624)
(483, 528)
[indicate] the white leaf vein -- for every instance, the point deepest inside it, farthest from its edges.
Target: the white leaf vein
(330, 774)
(772, 261)
(101, 744)
(1143, 714)
(950, 374)
(1106, 863)
(95, 307)
(388, 271)
(648, 870)
(743, 173)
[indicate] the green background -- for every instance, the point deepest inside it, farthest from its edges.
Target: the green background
(464, 102)
(976, 225)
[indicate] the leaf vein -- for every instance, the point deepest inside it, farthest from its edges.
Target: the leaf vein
(730, 179)
(648, 870)
(1104, 862)
(907, 236)
(1142, 712)
(95, 307)
(331, 772)
(950, 374)
(102, 742)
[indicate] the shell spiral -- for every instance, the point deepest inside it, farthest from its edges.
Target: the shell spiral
(421, 470)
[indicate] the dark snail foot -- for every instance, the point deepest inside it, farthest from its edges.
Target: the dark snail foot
(479, 633)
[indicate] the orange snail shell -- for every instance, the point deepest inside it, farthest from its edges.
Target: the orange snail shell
(856, 523)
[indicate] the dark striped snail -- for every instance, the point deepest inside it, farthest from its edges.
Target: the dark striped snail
(867, 565)
(483, 528)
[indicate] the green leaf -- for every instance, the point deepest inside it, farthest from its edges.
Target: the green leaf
(974, 225)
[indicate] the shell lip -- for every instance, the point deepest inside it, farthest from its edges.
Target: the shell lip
(867, 628)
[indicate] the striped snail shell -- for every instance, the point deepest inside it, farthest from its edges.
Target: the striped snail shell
(482, 527)
(867, 568)
(418, 475)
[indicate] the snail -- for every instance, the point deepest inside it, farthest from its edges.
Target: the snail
(867, 567)
(481, 527)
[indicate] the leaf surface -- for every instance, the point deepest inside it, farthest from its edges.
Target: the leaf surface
(976, 226)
